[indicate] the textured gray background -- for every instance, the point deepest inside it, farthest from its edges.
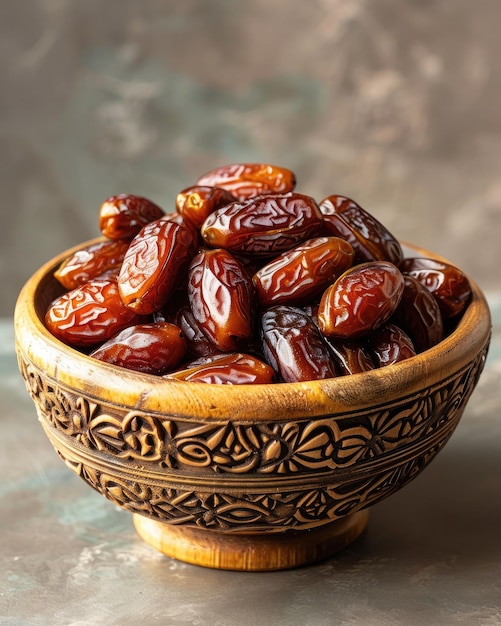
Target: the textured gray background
(394, 103)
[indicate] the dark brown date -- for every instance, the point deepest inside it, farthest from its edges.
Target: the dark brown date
(246, 180)
(198, 344)
(155, 264)
(89, 314)
(297, 276)
(147, 348)
(360, 300)
(227, 369)
(418, 314)
(370, 239)
(123, 216)
(265, 225)
(91, 262)
(196, 203)
(351, 357)
(293, 345)
(221, 297)
(389, 344)
(448, 284)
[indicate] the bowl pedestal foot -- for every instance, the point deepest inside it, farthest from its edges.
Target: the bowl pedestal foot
(251, 552)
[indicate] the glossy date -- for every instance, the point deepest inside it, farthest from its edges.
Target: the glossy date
(226, 369)
(448, 284)
(360, 300)
(89, 314)
(297, 276)
(147, 348)
(155, 264)
(293, 345)
(265, 225)
(371, 240)
(246, 180)
(221, 297)
(196, 203)
(91, 262)
(123, 216)
(389, 344)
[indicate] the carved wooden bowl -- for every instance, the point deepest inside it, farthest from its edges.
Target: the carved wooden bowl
(248, 477)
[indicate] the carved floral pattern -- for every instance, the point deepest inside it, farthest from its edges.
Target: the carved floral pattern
(348, 462)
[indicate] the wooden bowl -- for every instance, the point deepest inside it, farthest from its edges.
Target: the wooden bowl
(249, 477)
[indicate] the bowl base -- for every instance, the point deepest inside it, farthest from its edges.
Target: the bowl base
(251, 552)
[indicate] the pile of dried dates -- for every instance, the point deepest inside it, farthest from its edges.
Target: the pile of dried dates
(248, 281)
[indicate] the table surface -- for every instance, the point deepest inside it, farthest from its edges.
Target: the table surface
(431, 553)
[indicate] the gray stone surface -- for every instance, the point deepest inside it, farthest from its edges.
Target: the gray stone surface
(395, 103)
(431, 554)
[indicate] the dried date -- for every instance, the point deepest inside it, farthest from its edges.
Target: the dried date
(448, 284)
(226, 369)
(351, 357)
(360, 300)
(90, 262)
(389, 344)
(155, 264)
(293, 345)
(265, 225)
(297, 276)
(370, 239)
(146, 348)
(89, 314)
(246, 180)
(123, 216)
(221, 297)
(418, 314)
(196, 203)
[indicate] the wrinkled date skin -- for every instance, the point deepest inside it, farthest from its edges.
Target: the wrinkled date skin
(265, 225)
(371, 240)
(91, 262)
(360, 300)
(389, 344)
(297, 276)
(448, 284)
(227, 369)
(147, 348)
(246, 180)
(155, 264)
(90, 314)
(196, 203)
(351, 357)
(123, 216)
(418, 314)
(221, 297)
(293, 345)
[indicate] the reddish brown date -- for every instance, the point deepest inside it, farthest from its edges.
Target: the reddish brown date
(246, 180)
(227, 369)
(448, 284)
(360, 300)
(155, 264)
(293, 345)
(265, 225)
(389, 344)
(418, 314)
(351, 357)
(147, 348)
(90, 314)
(196, 203)
(91, 262)
(123, 216)
(297, 276)
(221, 297)
(371, 240)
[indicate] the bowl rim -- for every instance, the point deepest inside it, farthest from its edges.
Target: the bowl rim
(102, 381)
